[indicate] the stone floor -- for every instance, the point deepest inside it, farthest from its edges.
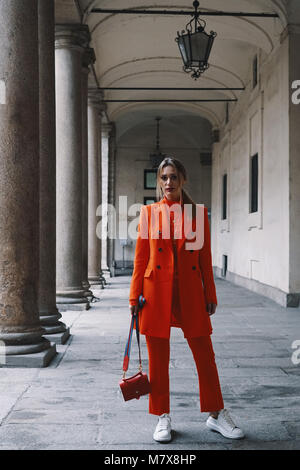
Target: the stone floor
(75, 403)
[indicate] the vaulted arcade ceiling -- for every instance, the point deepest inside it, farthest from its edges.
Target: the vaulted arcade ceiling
(140, 51)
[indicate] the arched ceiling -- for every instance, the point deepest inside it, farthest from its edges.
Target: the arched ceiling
(140, 51)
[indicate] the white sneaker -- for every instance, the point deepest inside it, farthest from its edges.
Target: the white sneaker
(162, 431)
(225, 425)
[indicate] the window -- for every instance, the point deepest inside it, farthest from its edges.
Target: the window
(255, 71)
(149, 200)
(224, 197)
(254, 183)
(150, 179)
(224, 265)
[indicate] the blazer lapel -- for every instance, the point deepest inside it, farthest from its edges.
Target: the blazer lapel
(185, 227)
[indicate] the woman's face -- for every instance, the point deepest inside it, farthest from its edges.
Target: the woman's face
(170, 184)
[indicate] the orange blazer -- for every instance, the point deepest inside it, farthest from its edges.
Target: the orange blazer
(154, 269)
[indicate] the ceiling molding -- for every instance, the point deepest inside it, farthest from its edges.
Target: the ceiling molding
(120, 77)
(252, 24)
(79, 8)
(277, 8)
(230, 93)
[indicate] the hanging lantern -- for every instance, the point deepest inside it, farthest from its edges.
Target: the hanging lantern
(195, 46)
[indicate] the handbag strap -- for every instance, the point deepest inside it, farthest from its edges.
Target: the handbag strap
(134, 319)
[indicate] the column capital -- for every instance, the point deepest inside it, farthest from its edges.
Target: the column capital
(72, 36)
(88, 57)
(110, 128)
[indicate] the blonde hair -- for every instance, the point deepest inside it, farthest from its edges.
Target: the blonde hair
(182, 175)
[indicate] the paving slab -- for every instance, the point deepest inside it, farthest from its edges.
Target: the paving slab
(40, 436)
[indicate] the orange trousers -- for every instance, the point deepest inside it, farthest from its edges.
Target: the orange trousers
(209, 385)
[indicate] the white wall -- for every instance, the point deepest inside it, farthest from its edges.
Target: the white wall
(257, 244)
(294, 114)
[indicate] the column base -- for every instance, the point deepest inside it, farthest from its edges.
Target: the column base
(59, 327)
(41, 359)
(58, 338)
(103, 280)
(19, 340)
(89, 295)
(50, 328)
(55, 332)
(87, 292)
(98, 280)
(50, 322)
(76, 307)
(94, 280)
(73, 300)
(106, 274)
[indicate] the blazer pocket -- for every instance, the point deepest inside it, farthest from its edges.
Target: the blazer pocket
(148, 272)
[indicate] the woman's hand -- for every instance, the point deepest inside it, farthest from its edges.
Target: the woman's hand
(211, 308)
(134, 309)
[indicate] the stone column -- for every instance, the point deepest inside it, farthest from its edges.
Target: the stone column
(95, 107)
(111, 191)
(87, 59)
(20, 328)
(102, 111)
(49, 315)
(71, 40)
(104, 168)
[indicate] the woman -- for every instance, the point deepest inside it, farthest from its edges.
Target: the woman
(174, 273)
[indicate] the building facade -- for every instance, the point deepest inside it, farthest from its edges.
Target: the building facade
(81, 88)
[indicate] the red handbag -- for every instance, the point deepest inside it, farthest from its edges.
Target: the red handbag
(138, 384)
